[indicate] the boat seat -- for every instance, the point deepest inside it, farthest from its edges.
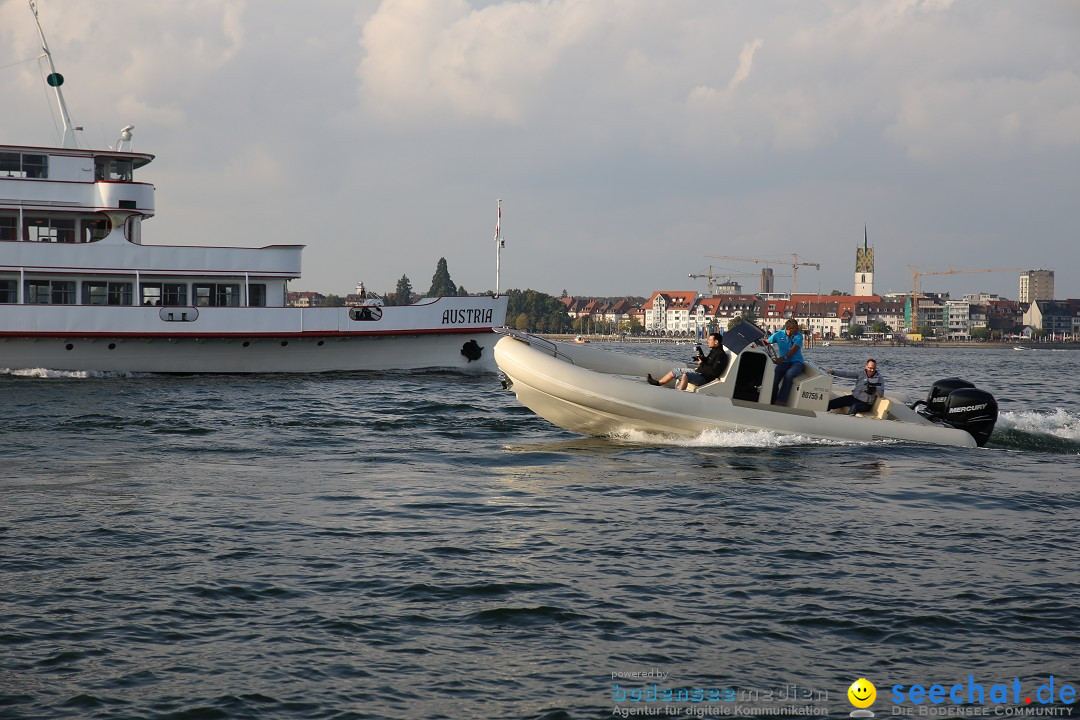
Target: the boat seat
(709, 388)
(880, 411)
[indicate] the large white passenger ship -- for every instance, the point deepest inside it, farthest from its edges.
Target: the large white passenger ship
(79, 290)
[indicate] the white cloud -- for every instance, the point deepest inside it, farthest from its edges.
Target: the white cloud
(941, 122)
(611, 127)
(746, 62)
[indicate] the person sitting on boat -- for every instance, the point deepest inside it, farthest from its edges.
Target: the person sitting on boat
(710, 366)
(789, 360)
(869, 386)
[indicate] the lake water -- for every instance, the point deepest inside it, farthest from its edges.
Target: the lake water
(421, 546)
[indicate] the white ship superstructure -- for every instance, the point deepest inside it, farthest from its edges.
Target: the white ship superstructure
(79, 290)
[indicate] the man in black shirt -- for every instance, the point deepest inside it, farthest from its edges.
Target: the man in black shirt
(710, 366)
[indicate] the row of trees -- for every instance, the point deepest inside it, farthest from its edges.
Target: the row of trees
(527, 310)
(534, 311)
(441, 286)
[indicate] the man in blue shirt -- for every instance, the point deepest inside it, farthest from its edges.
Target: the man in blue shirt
(789, 361)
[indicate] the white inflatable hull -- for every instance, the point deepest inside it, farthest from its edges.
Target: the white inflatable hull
(594, 392)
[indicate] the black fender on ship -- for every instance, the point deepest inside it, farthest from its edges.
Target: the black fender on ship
(472, 350)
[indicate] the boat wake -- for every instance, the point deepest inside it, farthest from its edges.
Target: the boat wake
(1056, 432)
(721, 438)
(45, 373)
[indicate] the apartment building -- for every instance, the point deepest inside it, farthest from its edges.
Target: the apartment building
(1036, 285)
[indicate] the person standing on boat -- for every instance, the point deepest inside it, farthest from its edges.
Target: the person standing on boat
(789, 360)
(710, 366)
(869, 386)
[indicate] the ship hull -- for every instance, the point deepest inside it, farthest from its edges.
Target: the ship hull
(448, 333)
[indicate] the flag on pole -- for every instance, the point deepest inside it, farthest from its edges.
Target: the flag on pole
(498, 222)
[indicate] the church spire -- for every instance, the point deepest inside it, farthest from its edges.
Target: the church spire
(864, 267)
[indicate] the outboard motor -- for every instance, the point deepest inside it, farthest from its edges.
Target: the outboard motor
(938, 396)
(959, 404)
(972, 410)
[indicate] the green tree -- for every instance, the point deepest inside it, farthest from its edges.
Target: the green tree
(925, 330)
(981, 333)
(545, 313)
(333, 301)
(855, 330)
(441, 284)
(461, 291)
(521, 322)
(403, 293)
(880, 327)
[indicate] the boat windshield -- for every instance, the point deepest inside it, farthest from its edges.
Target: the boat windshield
(737, 338)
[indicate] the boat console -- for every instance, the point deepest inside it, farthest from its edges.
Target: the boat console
(749, 375)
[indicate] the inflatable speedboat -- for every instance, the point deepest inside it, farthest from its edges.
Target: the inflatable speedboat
(598, 392)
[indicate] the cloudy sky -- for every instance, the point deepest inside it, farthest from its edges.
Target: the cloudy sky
(628, 139)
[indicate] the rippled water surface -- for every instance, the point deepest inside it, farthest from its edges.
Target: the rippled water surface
(420, 546)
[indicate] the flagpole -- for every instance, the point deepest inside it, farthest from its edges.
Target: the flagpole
(498, 244)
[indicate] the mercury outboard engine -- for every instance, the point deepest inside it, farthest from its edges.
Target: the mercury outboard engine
(959, 404)
(939, 395)
(973, 410)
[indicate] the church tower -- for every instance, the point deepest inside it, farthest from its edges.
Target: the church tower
(864, 269)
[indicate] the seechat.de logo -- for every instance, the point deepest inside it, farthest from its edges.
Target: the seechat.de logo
(862, 694)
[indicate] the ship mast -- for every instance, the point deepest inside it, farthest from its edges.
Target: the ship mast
(499, 244)
(55, 80)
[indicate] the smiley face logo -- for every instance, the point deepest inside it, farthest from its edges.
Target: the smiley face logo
(862, 693)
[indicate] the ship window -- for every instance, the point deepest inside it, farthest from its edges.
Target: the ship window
(175, 294)
(164, 293)
(112, 169)
(50, 292)
(8, 292)
(49, 229)
(23, 165)
(94, 230)
(106, 293)
(151, 294)
(257, 295)
(217, 294)
(8, 228)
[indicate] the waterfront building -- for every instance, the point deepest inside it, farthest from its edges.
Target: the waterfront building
(1036, 285)
(729, 307)
(706, 316)
(619, 312)
(1004, 317)
(982, 298)
(305, 298)
(768, 282)
(667, 312)
(1057, 317)
(956, 319)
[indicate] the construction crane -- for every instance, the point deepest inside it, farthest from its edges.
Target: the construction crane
(916, 273)
(795, 265)
(712, 277)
